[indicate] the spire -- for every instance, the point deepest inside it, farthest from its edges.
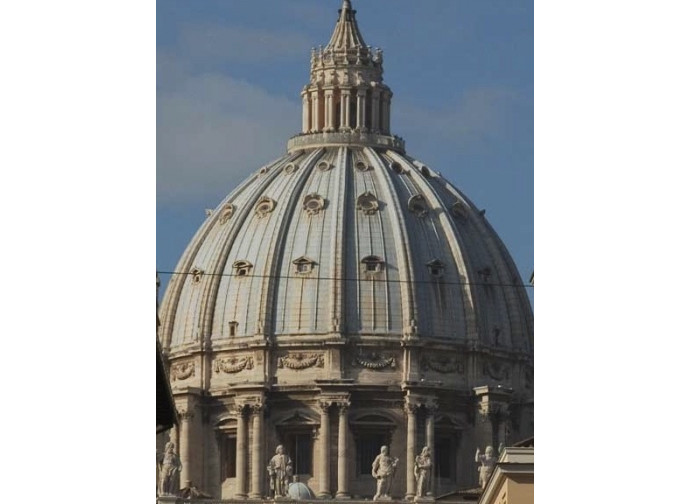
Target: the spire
(346, 34)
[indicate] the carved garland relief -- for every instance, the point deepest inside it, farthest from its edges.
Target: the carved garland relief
(442, 363)
(233, 364)
(374, 361)
(181, 370)
(298, 361)
(496, 370)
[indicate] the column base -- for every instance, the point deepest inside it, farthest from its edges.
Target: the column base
(167, 499)
(254, 496)
(428, 498)
(324, 496)
(343, 496)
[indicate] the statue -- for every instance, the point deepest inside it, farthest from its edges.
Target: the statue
(383, 469)
(169, 467)
(487, 463)
(280, 472)
(422, 472)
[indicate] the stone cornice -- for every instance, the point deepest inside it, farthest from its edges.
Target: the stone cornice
(350, 138)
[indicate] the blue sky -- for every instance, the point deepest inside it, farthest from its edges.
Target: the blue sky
(229, 75)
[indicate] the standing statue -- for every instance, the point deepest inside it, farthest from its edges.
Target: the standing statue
(422, 472)
(280, 472)
(487, 463)
(383, 469)
(170, 465)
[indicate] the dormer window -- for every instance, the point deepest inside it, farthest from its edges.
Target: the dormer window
(313, 204)
(197, 273)
(324, 166)
(303, 265)
(291, 168)
(484, 274)
(362, 166)
(436, 268)
(417, 204)
(242, 268)
(233, 328)
(367, 203)
(372, 265)
(397, 168)
(459, 210)
(264, 206)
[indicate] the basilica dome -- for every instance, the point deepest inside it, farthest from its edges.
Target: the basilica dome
(345, 275)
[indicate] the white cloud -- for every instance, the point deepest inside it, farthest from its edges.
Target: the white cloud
(476, 113)
(212, 131)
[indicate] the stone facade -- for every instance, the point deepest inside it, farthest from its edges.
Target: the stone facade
(345, 297)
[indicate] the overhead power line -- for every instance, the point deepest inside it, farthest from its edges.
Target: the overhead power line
(373, 278)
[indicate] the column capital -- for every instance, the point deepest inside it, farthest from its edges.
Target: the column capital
(411, 408)
(343, 406)
(185, 414)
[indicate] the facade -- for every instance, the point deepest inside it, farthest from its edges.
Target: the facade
(344, 297)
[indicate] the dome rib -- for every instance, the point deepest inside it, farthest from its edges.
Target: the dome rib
(405, 265)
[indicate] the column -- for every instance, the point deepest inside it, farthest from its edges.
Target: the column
(411, 411)
(361, 108)
(375, 116)
(324, 437)
(330, 110)
(430, 411)
(241, 455)
(185, 448)
(305, 112)
(386, 117)
(257, 450)
(315, 111)
(344, 109)
(343, 490)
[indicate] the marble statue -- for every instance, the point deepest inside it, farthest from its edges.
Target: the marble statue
(170, 465)
(422, 472)
(487, 463)
(280, 472)
(383, 469)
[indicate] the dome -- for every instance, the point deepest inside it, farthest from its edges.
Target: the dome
(344, 283)
(351, 241)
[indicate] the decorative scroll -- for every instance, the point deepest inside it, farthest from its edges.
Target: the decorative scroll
(442, 364)
(299, 361)
(373, 361)
(496, 370)
(233, 364)
(182, 370)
